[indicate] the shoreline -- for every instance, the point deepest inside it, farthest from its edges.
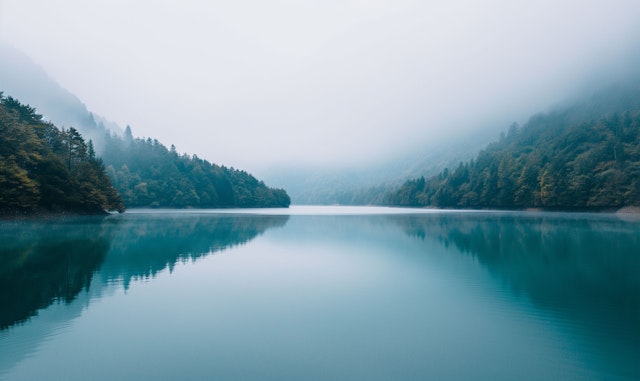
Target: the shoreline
(46, 215)
(628, 213)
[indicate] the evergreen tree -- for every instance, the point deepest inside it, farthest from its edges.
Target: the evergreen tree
(43, 168)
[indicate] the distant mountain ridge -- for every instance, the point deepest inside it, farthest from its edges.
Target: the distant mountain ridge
(368, 184)
(23, 79)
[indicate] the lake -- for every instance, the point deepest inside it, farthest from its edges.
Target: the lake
(321, 293)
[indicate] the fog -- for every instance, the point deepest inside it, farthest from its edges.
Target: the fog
(256, 84)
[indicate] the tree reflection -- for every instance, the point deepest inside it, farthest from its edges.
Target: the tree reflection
(578, 267)
(43, 262)
(146, 245)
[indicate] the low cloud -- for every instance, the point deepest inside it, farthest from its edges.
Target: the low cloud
(251, 84)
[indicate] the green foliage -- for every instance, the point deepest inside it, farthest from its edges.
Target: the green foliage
(552, 162)
(147, 174)
(43, 168)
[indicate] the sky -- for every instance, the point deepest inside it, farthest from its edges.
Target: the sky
(254, 84)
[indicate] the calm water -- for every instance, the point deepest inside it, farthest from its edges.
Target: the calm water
(321, 294)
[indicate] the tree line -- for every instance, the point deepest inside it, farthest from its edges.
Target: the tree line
(148, 174)
(552, 162)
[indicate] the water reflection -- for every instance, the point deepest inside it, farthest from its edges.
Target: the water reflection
(497, 296)
(42, 262)
(581, 269)
(147, 244)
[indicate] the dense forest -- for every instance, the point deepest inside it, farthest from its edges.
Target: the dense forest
(563, 159)
(46, 169)
(148, 174)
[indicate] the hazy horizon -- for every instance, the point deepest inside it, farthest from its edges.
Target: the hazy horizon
(253, 85)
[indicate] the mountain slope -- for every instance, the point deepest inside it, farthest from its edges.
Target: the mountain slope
(144, 171)
(23, 79)
(582, 157)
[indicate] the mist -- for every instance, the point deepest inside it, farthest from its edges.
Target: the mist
(258, 85)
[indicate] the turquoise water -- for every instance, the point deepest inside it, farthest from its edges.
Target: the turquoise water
(321, 294)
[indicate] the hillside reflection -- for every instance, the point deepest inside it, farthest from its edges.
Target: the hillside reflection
(147, 244)
(578, 267)
(45, 262)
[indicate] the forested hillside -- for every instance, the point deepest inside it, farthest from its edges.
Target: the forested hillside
(148, 174)
(566, 159)
(45, 169)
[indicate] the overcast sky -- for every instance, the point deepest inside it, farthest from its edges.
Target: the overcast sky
(250, 83)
